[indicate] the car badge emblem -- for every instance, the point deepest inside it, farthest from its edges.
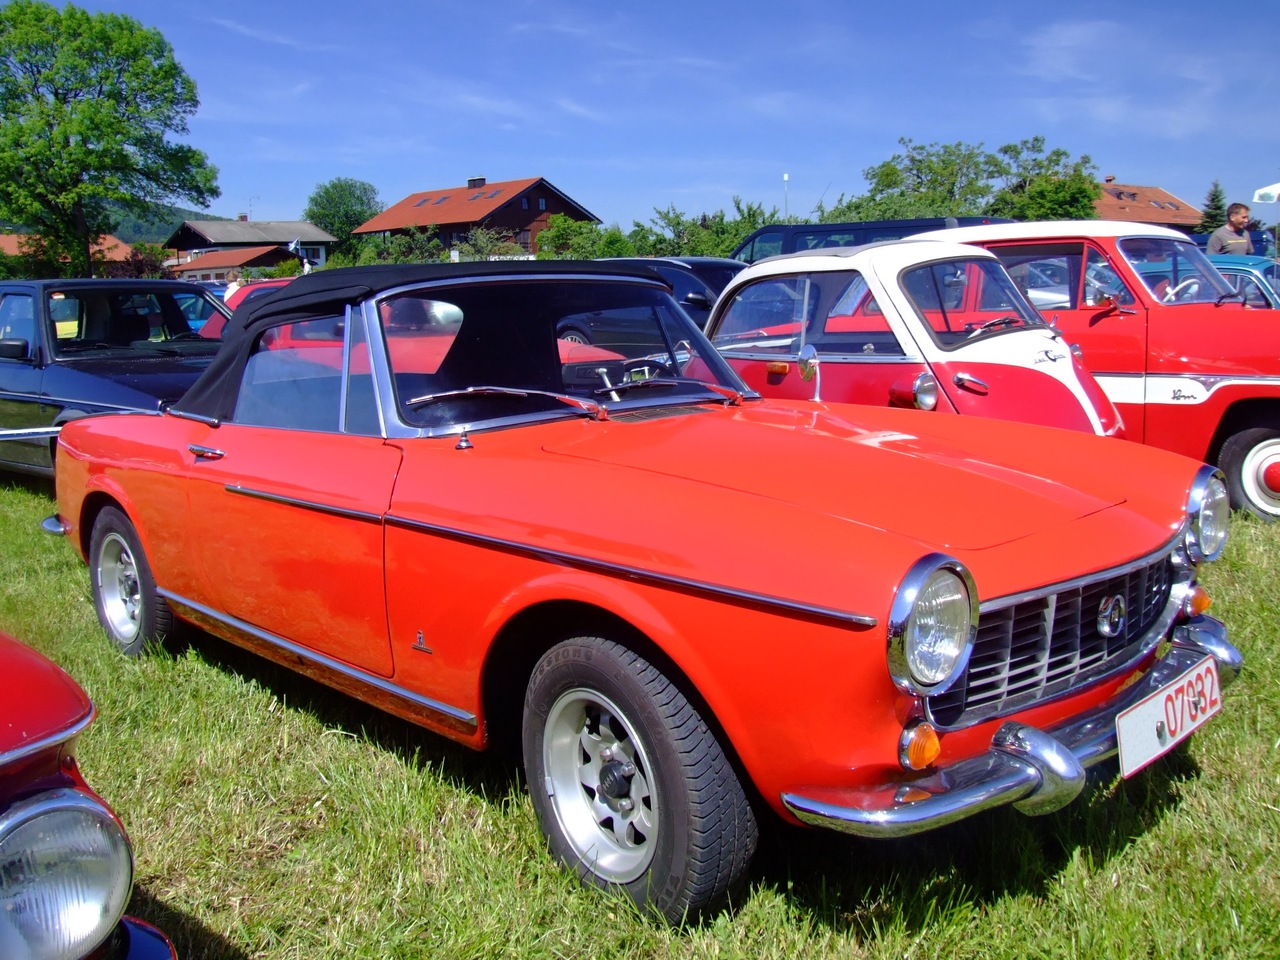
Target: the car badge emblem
(1111, 613)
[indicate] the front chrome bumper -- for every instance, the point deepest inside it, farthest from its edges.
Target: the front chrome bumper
(1038, 771)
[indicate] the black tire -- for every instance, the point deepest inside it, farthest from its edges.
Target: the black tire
(604, 729)
(1245, 458)
(574, 335)
(129, 606)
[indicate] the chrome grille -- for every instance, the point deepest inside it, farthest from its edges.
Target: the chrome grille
(1046, 646)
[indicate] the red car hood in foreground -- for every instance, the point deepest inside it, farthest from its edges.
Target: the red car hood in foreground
(40, 700)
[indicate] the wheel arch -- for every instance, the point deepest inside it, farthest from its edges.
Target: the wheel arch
(529, 634)
(1243, 415)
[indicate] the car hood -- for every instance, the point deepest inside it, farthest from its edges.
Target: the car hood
(38, 700)
(139, 381)
(961, 486)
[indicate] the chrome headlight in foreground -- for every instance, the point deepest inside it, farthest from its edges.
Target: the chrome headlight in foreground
(932, 625)
(1208, 513)
(66, 871)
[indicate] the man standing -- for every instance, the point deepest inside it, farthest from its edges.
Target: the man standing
(1232, 237)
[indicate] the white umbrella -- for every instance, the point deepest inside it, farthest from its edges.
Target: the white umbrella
(1267, 194)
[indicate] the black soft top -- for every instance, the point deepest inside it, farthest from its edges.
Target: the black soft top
(328, 292)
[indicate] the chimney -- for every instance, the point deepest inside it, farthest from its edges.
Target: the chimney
(1110, 178)
(474, 183)
(242, 217)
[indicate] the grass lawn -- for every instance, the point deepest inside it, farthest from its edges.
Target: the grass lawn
(274, 818)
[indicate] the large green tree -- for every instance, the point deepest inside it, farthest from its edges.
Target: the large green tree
(1040, 185)
(1022, 180)
(341, 205)
(938, 180)
(87, 104)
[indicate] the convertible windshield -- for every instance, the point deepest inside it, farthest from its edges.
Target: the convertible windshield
(470, 353)
(1174, 271)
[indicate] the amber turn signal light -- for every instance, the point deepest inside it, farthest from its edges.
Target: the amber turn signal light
(1197, 602)
(779, 367)
(919, 746)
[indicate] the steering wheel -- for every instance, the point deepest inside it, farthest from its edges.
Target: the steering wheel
(1191, 286)
(645, 368)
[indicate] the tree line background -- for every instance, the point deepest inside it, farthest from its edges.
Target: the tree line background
(89, 104)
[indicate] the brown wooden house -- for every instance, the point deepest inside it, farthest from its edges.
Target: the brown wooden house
(520, 208)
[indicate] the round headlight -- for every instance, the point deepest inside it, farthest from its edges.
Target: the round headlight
(1209, 512)
(932, 625)
(67, 872)
(926, 391)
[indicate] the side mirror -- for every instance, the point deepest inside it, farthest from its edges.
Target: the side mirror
(12, 348)
(808, 363)
(696, 298)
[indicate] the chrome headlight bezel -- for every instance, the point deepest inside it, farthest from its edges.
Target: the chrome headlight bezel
(926, 576)
(1208, 516)
(68, 869)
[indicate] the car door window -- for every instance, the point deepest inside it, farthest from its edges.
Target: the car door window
(17, 318)
(293, 378)
(1101, 282)
(1250, 288)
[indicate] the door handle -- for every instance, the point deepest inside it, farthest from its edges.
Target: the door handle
(967, 381)
(206, 453)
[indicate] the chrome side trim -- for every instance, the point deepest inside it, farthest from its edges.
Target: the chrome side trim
(842, 617)
(305, 504)
(328, 663)
(30, 433)
(53, 740)
(1037, 771)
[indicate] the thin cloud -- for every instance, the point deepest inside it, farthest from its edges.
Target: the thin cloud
(280, 40)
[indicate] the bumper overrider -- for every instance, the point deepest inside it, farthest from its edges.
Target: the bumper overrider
(1038, 771)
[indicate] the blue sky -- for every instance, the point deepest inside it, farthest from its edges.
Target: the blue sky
(628, 107)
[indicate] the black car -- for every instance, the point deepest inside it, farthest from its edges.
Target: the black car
(69, 348)
(695, 281)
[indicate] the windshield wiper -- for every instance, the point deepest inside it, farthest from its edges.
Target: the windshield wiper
(731, 396)
(592, 409)
(1234, 295)
(1008, 321)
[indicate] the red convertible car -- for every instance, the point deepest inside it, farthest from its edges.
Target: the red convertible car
(66, 866)
(684, 605)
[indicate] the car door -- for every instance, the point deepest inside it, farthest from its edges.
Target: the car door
(21, 376)
(1098, 306)
(988, 351)
(287, 500)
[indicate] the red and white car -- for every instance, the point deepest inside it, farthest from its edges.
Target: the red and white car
(912, 323)
(1191, 368)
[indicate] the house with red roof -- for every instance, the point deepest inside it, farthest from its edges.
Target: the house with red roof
(216, 264)
(1121, 201)
(195, 239)
(521, 208)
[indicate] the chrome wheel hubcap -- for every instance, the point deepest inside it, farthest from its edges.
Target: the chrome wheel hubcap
(119, 587)
(1258, 472)
(599, 780)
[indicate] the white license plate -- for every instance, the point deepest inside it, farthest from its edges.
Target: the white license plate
(1160, 721)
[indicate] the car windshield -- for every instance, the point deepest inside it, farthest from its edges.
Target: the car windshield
(100, 319)
(470, 353)
(837, 312)
(1174, 271)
